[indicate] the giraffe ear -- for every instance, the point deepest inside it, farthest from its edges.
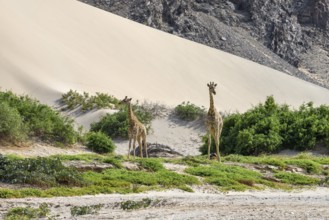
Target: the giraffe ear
(208, 84)
(130, 99)
(216, 84)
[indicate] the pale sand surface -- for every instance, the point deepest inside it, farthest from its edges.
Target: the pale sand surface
(41, 150)
(183, 137)
(49, 47)
(175, 204)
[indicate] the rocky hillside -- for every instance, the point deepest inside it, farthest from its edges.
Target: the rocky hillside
(291, 35)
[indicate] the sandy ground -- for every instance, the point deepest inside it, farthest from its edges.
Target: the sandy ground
(310, 204)
(42, 150)
(183, 137)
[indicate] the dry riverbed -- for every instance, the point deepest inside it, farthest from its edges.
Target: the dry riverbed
(175, 204)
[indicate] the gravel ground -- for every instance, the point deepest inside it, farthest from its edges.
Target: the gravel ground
(309, 204)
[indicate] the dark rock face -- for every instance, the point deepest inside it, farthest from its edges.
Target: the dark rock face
(288, 35)
(158, 150)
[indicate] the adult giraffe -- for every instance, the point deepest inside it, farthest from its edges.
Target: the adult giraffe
(136, 130)
(214, 121)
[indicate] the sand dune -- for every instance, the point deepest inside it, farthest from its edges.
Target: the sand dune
(49, 47)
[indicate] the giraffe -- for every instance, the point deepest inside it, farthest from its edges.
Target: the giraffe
(214, 121)
(136, 130)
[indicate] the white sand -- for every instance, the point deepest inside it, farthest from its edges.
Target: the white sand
(49, 47)
(183, 137)
(175, 204)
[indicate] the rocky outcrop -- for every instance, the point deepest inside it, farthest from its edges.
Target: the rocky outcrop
(281, 34)
(158, 150)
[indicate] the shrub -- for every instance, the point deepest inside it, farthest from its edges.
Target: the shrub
(296, 179)
(39, 172)
(228, 177)
(188, 111)
(40, 120)
(130, 204)
(73, 100)
(99, 142)
(269, 127)
(85, 210)
(11, 124)
(28, 212)
(116, 125)
(150, 164)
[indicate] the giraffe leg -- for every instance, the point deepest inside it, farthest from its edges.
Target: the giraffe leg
(217, 147)
(209, 144)
(129, 147)
(134, 146)
(218, 133)
(140, 146)
(145, 146)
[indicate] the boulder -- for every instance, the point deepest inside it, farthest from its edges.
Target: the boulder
(158, 150)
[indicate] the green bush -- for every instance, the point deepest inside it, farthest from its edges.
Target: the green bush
(73, 100)
(100, 142)
(40, 120)
(188, 111)
(150, 164)
(116, 125)
(269, 127)
(296, 179)
(228, 177)
(130, 204)
(22, 213)
(38, 172)
(86, 210)
(11, 124)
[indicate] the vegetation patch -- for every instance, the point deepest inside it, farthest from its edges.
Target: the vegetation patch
(164, 178)
(73, 100)
(85, 210)
(189, 112)
(192, 160)
(150, 164)
(42, 172)
(99, 142)
(311, 164)
(270, 127)
(296, 179)
(22, 116)
(115, 125)
(84, 157)
(229, 177)
(116, 161)
(26, 213)
(131, 205)
(154, 176)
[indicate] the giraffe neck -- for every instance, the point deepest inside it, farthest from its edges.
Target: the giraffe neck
(212, 106)
(130, 112)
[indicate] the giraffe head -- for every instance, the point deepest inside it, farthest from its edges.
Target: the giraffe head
(212, 87)
(126, 100)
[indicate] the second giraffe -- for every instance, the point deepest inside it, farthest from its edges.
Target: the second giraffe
(214, 121)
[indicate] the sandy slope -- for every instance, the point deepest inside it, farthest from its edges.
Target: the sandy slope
(49, 47)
